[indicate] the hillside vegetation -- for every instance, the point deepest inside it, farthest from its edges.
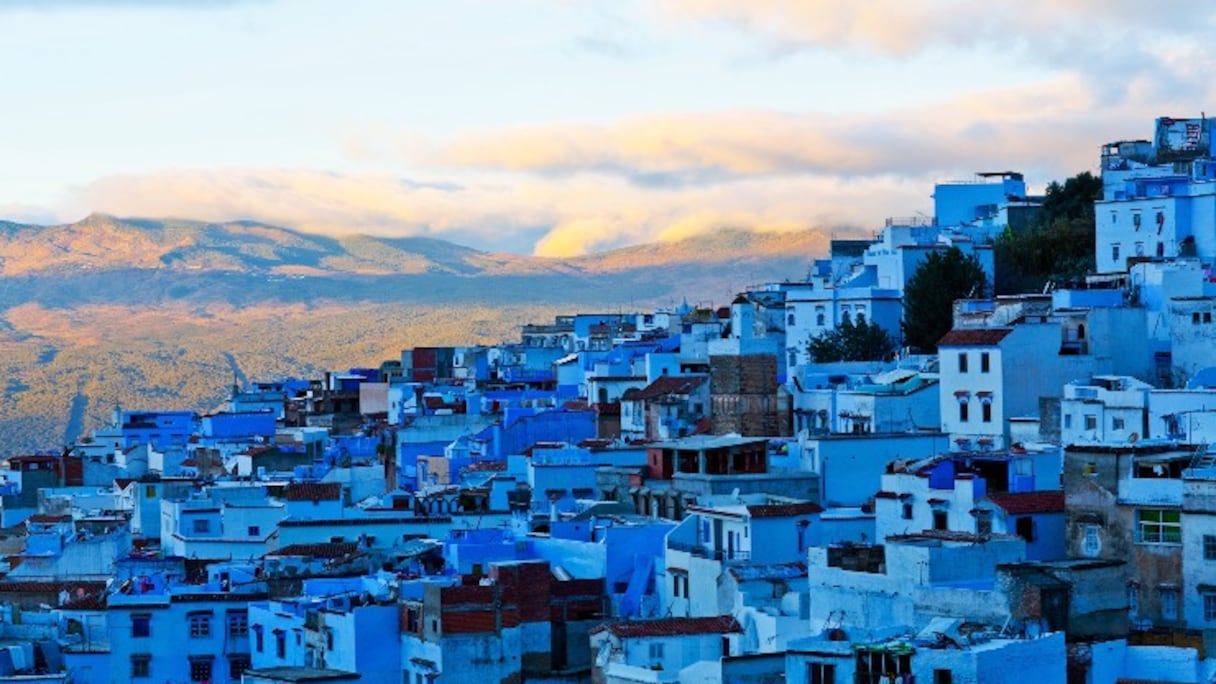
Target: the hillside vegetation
(164, 314)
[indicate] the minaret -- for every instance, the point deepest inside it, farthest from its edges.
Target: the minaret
(742, 319)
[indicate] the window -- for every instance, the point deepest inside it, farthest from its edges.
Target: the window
(141, 625)
(280, 643)
(254, 530)
(1025, 528)
(201, 526)
(907, 512)
(1209, 547)
(1169, 603)
(1209, 607)
(985, 362)
(1068, 420)
(1194, 317)
(821, 673)
(150, 491)
(656, 651)
(200, 668)
(329, 639)
(939, 520)
(1091, 545)
(790, 320)
(1207, 316)
(200, 625)
(943, 677)
(962, 362)
(141, 665)
(1136, 219)
(413, 619)
(986, 412)
(1116, 423)
(1091, 422)
(1139, 249)
(819, 319)
(238, 624)
(880, 667)
(983, 525)
(1159, 526)
(237, 664)
(1114, 252)
(963, 411)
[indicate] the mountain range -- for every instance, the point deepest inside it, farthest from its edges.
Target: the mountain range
(151, 313)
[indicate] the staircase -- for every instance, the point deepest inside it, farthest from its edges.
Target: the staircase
(1204, 458)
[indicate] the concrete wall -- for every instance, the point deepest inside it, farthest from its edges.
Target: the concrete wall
(850, 467)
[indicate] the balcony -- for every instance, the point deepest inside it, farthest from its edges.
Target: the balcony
(700, 551)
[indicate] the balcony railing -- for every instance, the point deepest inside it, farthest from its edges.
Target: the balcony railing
(700, 551)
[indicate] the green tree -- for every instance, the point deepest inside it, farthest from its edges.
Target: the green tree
(929, 295)
(861, 341)
(1059, 245)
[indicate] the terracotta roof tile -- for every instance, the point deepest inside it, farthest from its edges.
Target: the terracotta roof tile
(1029, 502)
(784, 510)
(722, 624)
(974, 337)
(665, 386)
(312, 491)
(318, 550)
(44, 518)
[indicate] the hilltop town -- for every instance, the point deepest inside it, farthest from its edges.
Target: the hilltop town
(685, 494)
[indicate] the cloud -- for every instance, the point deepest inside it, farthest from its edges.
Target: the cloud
(567, 189)
(29, 213)
(1053, 127)
(1111, 42)
(50, 5)
(900, 28)
(549, 217)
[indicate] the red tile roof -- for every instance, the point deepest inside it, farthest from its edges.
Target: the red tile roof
(722, 624)
(974, 337)
(312, 491)
(318, 550)
(664, 386)
(1029, 502)
(784, 510)
(44, 518)
(77, 590)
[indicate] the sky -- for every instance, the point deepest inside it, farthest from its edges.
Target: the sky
(560, 127)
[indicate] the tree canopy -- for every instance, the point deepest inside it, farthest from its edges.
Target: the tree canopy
(929, 295)
(861, 341)
(1059, 245)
